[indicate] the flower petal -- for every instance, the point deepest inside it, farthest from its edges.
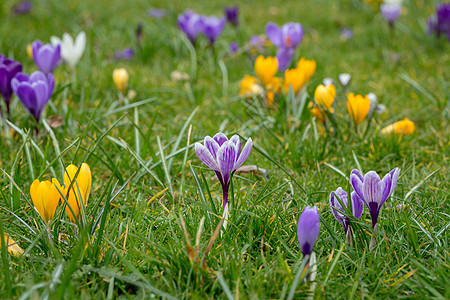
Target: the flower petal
(226, 158)
(356, 180)
(273, 32)
(372, 188)
(205, 156)
(220, 138)
(244, 154)
(212, 146)
(357, 205)
(308, 228)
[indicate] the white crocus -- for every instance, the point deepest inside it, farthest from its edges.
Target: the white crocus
(71, 51)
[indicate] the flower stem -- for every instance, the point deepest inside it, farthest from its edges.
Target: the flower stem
(225, 195)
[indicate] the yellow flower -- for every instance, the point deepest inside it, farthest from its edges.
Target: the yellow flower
(266, 68)
(324, 97)
(81, 187)
(403, 127)
(45, 197)
(294, 78)
(120, 77)
(13, 247)
(250, 87)
(274, 85)
(308, 67)
(358, 107)
(318, 113)
(30, 51)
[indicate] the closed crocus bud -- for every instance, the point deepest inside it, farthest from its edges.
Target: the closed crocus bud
(120, 77)
(308, 229)
(345, 79)
(318, 113)
(46, 57)
(81, 187)
(12, 247)
(358, 107)
(324, 97)
(308, 67)
(373, 103)
(403, 127)
(266, 68)
(45, 196)
(294, 78)
(328, 81)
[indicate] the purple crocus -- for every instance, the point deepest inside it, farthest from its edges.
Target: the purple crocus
(191, 24)
(126, 54)
(257, 43)
(286, 38)
(232, 15)
(441, 23)
(8, 69)
(213, 27)
(336, 208)
(391, 12)
(22, 7)
(34, 91)
(224, 157)
(373, 190)
(156, 13)
(46, 57)
(234, 47)
(308, 229)
(346, 33)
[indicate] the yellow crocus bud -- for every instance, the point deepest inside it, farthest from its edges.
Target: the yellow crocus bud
(30, 51)
(80, 188)
(358, 107)
(45, 197)
(318, 113)
(266, 68)
(250, 87)
(120, 77)
(274, 85)
(324, 97)
(12, 246)
(403, 127)
(308, 67)
(294, 78)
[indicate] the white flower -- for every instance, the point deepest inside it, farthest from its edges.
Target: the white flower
(71, 51)
(344, 79)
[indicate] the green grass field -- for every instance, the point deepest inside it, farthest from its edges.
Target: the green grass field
(154, 206)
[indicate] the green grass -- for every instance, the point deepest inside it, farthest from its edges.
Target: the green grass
(129, 248)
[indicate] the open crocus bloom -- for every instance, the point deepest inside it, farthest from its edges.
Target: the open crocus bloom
(46, 57)
(403, 127)
(34, 91)
(336, 208)
(191, 24)
(308, 228)
(71, 51)
(224, 157)
(373, 190)
(289, 35)
(266, 68)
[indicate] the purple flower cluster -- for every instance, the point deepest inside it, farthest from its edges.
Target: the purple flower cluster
(440, 24)
(192, 24)
(286, 38)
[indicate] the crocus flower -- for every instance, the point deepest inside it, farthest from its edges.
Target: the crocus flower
(120, 78)
(126, 54)
(373, 190)
(266, 68)
(71, 51)
(80, 188)
(328, 81)
(308, 67)
(346, 33)
(284, 56)
(34, 91)
(294, 78)
(308, 229)
(391, 11)
(250, 87)
(156, 13)
(23, 7)
(191, 24)
(234, 47)
(336, 208)
(8, 69)
(358, 107)
(345, 79)
(213, 27)
(403, 127)
(46, 57)
(232, 15)
(46, 196)
(286, 38)
(12, 247)
(257, 43)
(224, 157)
(324, 97)
(318, 113)
(373, 103)
(440, 24)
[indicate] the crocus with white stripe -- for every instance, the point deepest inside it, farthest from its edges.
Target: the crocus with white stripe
(336, 207)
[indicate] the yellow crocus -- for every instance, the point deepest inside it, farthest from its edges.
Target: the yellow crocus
(266, 68)
(358, 107)
(294, 78)
(12, 246)
(318, 113)
(120, 77)
(81, 187)
(250, 87)
(45, 197)
(403, 127)
(324, 97)
(308, 67)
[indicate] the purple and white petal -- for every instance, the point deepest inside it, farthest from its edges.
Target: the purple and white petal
(372, 188)
(220, 138)
(205, 156)
(394, 175)
(385, 187)
(237, 141)
(212, 146)
(357, 205)
(226, 157)
(356, 180)
(244, 154)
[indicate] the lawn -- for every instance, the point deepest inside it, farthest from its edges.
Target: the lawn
(153, 224)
